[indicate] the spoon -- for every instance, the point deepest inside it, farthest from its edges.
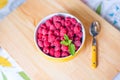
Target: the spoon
(94, 31)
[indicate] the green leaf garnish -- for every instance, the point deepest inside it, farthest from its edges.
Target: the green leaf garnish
(66, 37)
(72, 49)
(98, 10)
(63, 42)
(68, 42)
(23, 75)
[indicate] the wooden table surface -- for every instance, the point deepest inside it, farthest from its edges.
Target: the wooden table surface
(16, 36)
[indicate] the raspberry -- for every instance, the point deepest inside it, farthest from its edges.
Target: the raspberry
(46, 44)
(80, 34)
(63, 22)
(72, 27)
(57, 25)
(58, 38)
(61, 38)
(57, 54)
(48, 23)
(76, 39)
(70, 34)
(52, 51)
(57, 48)
(77, 43)
(50, 32)
(44, 31)
(63, 31)
(67, 23)
(44, 37)
(43, 26)
(57, 18)
(52, 27)
(67, 18)
(73, 20)
(46, 50)
(57, 32)
(40, 43)
(76, 29)
(57, 43)
(39, 36)
(64, 54)
(40, 30)
(64, 48)
(51, 38)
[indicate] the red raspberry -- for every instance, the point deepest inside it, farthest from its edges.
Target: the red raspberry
(46, 50)
(63, 22)
(51, 38)
(46, 44)
(40, 43)
(73, 20)
(48, 23)
(76, 29)
(72, 27)
(44, 31)
(67, 23)
(44, 37)
(80, 34)
(64, 48)
(39, 36)
(67, 18)
(61, 38)
(40, 30)
(57, 25)
(77, 47)
(52, 27)
(57, 54)
(57, 18)
(63, 32)
(43, 26)
(77, 43)
(57, 32)
(65, 54)
(70, 34)
(76, 38)
(58, 38)
(57, 48)
(52, 51)
(57, 43)
(50, 32)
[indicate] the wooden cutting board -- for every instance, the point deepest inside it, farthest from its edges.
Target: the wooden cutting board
(16, 36)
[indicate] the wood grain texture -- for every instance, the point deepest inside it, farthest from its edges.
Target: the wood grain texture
(16, 36)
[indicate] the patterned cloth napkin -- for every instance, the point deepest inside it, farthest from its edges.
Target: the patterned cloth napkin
(9, 69)
(7, 6)
(108, 9)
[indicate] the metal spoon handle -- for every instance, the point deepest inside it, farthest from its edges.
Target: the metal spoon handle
(94, 54)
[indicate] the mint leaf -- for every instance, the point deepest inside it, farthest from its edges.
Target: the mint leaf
(4, 77)
(66, 37)
(23, 75)
(63, 42)
(72, 49)
(98, 10)
(69, 41)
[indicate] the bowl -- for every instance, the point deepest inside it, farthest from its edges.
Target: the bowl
(58, 59)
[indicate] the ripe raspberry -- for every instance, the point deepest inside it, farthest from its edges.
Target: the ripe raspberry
(40, 30)
(57, 32)
(67, 23)
(39, 36)
(46, 50)
(64, 48)
(46, 44)
(43, 26)
(80, 34)
(57, 43)
(51, 38)
(57, 25)
(65, 54)
(73, 20)
(77, 43)
(52, 51)
(40, 43)
(44, 31)
(57, 48)
(67, 18)
(63, 32)
(48, 23)
(52, 27)
(44, 37)
(57, 54)
(50, 32)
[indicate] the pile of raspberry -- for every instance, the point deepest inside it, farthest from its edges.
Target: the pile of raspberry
(52, 31)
